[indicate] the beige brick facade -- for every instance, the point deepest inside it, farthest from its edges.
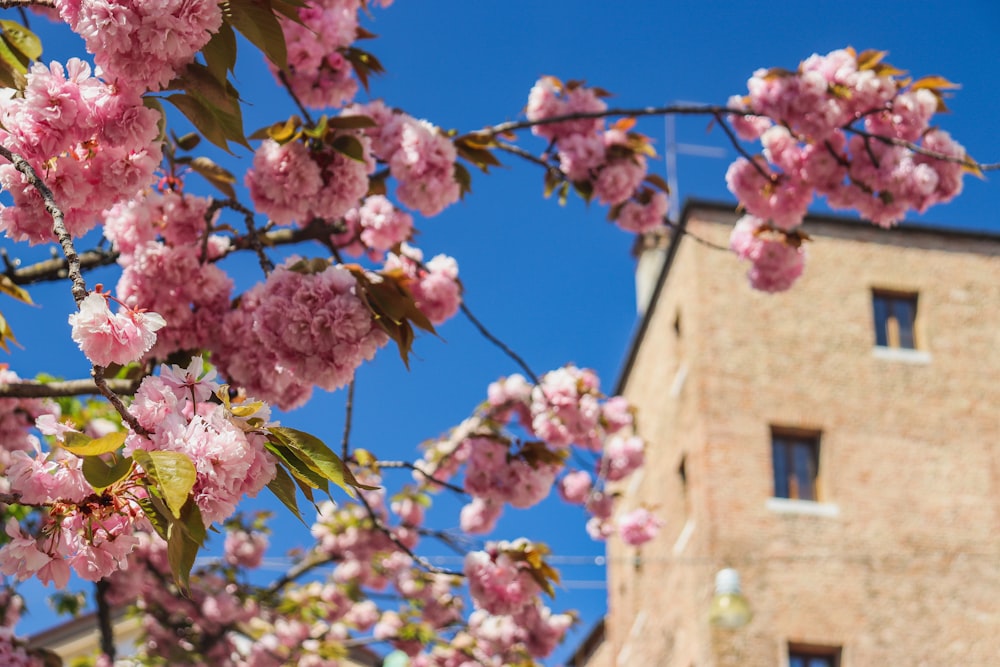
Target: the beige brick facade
(898, 560)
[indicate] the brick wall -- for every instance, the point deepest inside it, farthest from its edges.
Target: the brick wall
(901, 564)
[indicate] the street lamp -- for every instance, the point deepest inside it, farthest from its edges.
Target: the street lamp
(730, 608)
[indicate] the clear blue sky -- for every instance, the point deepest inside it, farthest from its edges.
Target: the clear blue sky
(556, 283)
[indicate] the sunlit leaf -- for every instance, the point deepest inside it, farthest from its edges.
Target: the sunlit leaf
(322, 457)
(81, 445)
(214, 174)
(173, 473)
(21, 39)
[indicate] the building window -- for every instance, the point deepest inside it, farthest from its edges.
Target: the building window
(796, 465)
(813, 656)
(895, 314)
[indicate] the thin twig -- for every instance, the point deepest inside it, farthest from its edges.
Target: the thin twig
(734, 140)
(102, 385)
(674, 109)
(348, 415)
(34, 389)
(428, 476)
(295, 98)
(421, 562)
(696, 238)
(499, 343)
(305, 566)
(253, 235)
(521, 153)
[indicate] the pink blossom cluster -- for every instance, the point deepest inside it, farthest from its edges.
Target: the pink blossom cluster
(142, 45)
(609, 164)
(567, 408)
(495, 475)
(828, 117)
(12, 649)
(292, 183)
(191, 295)
(420, 157)
(17, 416)
(177, 409)
(93, 142)
(374, 227)
(318, 73)
(119, 338)
(776, 260)
(244, 548)
(295, 331)
(434, 285)
(550, 98)
(500, 581)
(638, 526)
(183, 628)
(91, 534)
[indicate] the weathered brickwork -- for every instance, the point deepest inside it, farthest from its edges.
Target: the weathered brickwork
(898, 562)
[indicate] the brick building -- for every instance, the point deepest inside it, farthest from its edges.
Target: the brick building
(838, 445)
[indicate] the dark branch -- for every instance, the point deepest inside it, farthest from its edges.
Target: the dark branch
(499, 343)
(33, 389)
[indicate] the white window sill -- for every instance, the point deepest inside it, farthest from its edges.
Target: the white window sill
(902, 354)
(807, 507)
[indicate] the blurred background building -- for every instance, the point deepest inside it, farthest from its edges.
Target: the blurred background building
(837, 445)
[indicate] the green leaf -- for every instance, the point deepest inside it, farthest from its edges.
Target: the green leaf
(173, 473)
(13, 60)
(323, 460)
(215, 124)
(21, 39)
(100, 475)
(188, 142)
(220, 52)
(181, 553)
(350, 146)
(6, 334)
(157, 514)
(283, 487)
(81, 445)
(304, 475)
(197, 79)
(256, 21)
(214, 174)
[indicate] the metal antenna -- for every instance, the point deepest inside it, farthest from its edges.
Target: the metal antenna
(672, 149)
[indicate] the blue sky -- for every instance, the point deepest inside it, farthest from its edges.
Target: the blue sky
(555, 283)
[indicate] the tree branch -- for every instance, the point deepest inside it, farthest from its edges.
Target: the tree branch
(104, 619)
(34, 389)
(499, 343)
(9, 4)
(79, 288)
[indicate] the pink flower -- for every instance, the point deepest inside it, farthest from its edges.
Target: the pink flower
(638, 526)
(776, 263)
(113, 339)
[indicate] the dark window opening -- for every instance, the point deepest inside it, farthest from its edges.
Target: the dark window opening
(796, 465)
(813, 656)
(895, 315)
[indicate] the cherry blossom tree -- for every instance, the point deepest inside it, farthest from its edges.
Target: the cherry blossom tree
(123, 489)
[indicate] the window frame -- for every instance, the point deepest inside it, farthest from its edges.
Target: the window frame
(895, 328)
(808, 652)
(795, 456)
